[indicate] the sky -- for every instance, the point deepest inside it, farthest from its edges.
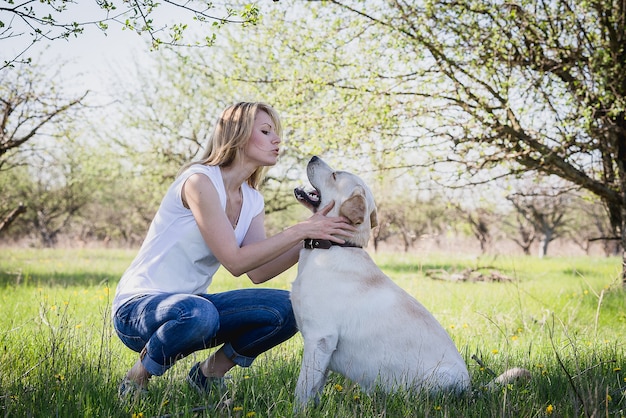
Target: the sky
(91, 59)
(89, 62)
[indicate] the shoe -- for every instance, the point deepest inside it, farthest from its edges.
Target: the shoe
(206, 385)
(130, 390)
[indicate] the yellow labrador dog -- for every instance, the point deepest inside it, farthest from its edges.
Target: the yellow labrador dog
(355, 320)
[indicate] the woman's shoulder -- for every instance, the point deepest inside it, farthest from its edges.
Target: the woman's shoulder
(201, 168)
(211, 171)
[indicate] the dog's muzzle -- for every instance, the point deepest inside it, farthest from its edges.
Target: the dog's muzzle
(312, 197)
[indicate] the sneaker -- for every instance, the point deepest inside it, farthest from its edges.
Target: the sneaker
(130, 390)
(205, 385)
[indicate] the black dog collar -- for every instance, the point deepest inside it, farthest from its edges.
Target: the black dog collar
(324, 244)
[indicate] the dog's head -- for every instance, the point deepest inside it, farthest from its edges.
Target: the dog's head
(353, 199)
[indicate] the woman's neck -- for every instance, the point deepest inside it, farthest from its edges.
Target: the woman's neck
(234, 176)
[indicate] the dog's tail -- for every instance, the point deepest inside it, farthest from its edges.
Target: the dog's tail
(511, 376)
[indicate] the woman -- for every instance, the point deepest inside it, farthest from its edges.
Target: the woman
(213, 215)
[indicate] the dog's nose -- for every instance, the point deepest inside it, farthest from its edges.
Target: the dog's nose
(314, 159)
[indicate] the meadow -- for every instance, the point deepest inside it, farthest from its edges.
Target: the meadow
(562, 318)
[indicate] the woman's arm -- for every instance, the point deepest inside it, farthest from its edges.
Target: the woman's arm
(201, 197)
(273, 268)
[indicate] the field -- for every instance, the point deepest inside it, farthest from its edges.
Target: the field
(562, 318)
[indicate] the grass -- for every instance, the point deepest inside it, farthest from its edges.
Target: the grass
(562, 318)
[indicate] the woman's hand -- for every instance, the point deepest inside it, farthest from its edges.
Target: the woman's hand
(333, 228)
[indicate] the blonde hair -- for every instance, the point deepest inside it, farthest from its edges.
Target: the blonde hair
(231, 134)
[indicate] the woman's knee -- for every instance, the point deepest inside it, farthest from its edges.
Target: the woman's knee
(285, 309)
(199, 315)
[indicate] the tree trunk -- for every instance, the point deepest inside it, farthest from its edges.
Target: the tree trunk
(623, 242)
(546, 239)
(12, 216)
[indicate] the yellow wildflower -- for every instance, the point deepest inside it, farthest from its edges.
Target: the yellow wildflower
(549, 409)
(250, 414)
(338, 387)
(238, 409)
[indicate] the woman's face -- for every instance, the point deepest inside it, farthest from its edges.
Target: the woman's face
(263, 146)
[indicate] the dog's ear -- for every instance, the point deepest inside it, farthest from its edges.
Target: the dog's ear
(373, 218)
(354, 209)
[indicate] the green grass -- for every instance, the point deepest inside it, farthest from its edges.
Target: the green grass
(562, 318)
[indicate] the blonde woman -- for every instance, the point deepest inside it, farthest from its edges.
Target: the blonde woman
(211, 216)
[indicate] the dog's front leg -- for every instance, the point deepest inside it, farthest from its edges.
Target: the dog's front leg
(315, 360)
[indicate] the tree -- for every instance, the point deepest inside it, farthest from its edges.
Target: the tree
(523, 231)
(31, 107)
(590, 223)
(537, 84)
(55, 188)
(480, 222)
(172, 122)
(29, 103)
(411, 218)
(383, 231)
(176, 101)
(546, 211)
(349, 88)
(32, 21)
(13, 214)
(120, 209)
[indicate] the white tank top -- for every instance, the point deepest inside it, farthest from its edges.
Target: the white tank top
(174, 257)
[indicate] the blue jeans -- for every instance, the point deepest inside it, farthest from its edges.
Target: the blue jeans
(167, 327)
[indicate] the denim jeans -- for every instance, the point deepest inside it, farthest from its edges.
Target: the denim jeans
(168, 327)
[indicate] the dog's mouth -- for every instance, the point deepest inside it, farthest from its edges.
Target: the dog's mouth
(310, 198)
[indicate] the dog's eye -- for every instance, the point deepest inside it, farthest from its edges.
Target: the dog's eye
(334, 176)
